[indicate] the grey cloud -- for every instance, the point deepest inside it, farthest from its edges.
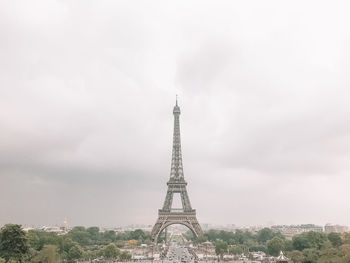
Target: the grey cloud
(86, 96)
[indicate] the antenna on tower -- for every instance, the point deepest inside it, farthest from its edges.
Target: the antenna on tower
(176, 99)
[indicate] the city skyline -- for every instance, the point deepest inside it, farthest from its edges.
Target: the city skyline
(86, 96)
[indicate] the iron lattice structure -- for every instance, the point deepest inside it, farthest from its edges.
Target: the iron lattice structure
(176, 184)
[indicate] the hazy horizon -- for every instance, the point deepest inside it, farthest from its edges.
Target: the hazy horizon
(87, 90)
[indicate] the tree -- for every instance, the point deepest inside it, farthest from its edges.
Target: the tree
(288, 245)
(66, 245)
(137, 234)
(300, 242)
(296, 256)
(335, 239)
(274, 246)
(80, 235)
(49, 254)
(345, 250)
(258, 248)
(33, 240)
(30, 255)
(2, 260)
(264, 235)
(309, 239)
(132, 243)
(235, 250)
(316, 239)
(346, 238)
(110, 236)
(329, 254)
(94, 232)
(13, 242)
(125, 256)
(75, 252)
(221, 248)
(110, 251)
(310, 255)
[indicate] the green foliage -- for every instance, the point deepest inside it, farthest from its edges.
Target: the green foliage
(235, 250)
(288, 245)
(93, 232)
(110, 251)
(67, 244)
(30, 255)
(89, 243)
(75, 252)
(316, 239)
(310, 255)
(110, 235)
(264, 235)
(309, 240)
(345, 253)
(221, 247)
(329, 254)
(80, 243)
(33, 239)
(274, 246)
(13, 242)
(300, 242)
(80, 235)
(231, 238)
(49, 254)
(258, 248)
(296, 256)
(125, 256)
(346, 238)
(38, 239)
(308, 247)
(335, 239)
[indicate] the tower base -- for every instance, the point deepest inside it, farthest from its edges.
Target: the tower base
(166, 219)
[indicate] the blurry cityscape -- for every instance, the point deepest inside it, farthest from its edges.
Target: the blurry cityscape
(287, 230)
(177, 244)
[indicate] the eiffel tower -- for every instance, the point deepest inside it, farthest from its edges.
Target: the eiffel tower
(176, 184)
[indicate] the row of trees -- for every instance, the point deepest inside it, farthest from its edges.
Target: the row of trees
(91, 236)
(308, 247)
(40, 246)
(89, 243)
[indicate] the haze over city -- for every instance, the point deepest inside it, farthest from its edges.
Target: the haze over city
(87, 90)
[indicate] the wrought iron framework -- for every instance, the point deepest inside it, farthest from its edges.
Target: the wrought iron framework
(176, 184)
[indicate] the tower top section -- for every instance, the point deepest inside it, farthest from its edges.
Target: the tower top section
(176, 172)
(176, 108)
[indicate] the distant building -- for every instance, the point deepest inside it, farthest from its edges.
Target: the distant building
(54, 229)
(335, 228)
(290, 230)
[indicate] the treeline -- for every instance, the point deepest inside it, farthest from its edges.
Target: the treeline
(92, 237)
(78, 244)
(88, 243)
(308, 247)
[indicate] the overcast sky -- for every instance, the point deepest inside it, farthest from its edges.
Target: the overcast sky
(87, 90)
